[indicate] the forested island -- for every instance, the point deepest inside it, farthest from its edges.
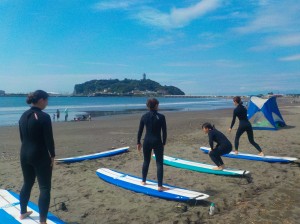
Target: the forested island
(126, 87)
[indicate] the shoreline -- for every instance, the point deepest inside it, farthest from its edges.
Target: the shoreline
(272, 196)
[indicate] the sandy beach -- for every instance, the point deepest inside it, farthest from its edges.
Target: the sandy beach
(272, 196)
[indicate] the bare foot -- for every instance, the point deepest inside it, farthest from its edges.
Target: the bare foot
(261, 154)
(236, 152)
(25, 215)
(217, 168)
(143, 183)
(162, 188)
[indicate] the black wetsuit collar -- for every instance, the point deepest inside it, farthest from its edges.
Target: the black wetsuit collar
(36, 108)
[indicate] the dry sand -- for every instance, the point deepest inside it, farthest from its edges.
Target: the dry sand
(273, 196)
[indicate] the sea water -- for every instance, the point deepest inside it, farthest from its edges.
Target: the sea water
(11, 108)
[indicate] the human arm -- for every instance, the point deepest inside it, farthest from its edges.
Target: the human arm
(233, 121)
(164, 130)
(48, 136)
(210, 140)
(140, 131)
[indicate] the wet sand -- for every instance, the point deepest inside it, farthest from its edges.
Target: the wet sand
(271, 197)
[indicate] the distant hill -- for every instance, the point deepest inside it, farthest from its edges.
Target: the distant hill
(124, 88)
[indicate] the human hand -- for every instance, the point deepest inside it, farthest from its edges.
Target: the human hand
(139, 147)
(229, 129)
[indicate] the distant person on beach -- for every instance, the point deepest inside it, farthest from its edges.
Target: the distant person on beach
(66, 114)
(53, 117)
(241, 112)
(57, 114)
(90, 117)
(37, 153)
(155, 138)
(223, 146)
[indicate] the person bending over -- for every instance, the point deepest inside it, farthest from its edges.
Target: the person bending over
(223, 146)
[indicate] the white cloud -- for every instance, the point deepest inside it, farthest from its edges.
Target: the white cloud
(115, 5)
(291, 58)
(105, 64)
(161, 41)
(222, 63)
(278, 17)
(178, 17)
(286, 40)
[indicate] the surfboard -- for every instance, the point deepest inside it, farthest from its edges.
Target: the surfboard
(201, 167)
(93, 156)
(133, 183)
(247, 156)
(10, 210)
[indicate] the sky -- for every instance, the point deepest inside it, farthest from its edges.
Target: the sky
(203, 47)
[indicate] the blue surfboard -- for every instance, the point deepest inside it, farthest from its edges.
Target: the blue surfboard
(133, 183)
(93, 156)
(10, 210)
(247, 156)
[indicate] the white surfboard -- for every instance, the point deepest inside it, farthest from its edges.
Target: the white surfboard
(10, 210)
(248, 156)
(93, 156)
(133, 183)
(202, 167)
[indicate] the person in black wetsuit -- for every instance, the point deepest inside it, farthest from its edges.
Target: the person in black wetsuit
(241, 112)
(155, 127)
(37, 153)
(223, 146)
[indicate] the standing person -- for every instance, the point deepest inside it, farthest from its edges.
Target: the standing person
(241, 112)
(57, 114)
(66, 114)
(155, 138)
(37, 153)
(54, 117)
(223, 146)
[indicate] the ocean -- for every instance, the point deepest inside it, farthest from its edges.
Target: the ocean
(11, 108)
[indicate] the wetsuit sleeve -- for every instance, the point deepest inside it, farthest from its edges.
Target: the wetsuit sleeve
(210, 140)
(48, 136)
(140, 131)
(164, 130)
(233, 119)
(21, 136)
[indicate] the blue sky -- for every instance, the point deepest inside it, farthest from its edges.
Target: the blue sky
(203, 47)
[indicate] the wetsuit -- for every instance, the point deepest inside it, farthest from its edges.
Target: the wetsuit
(37, 149)
(155, 125)
(241, 112)
(223, 146)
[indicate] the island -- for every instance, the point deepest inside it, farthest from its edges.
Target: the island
(126, 87)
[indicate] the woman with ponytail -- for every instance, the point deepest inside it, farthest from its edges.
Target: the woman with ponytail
(155, 138)
(223, 146)
(37, 153)
(245, 126)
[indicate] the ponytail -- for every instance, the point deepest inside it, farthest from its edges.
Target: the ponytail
(237, 99)
(34, 97)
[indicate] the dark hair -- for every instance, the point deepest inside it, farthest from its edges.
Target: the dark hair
(208, 125)
(36, 96)
(152, 103)
(237, 99)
